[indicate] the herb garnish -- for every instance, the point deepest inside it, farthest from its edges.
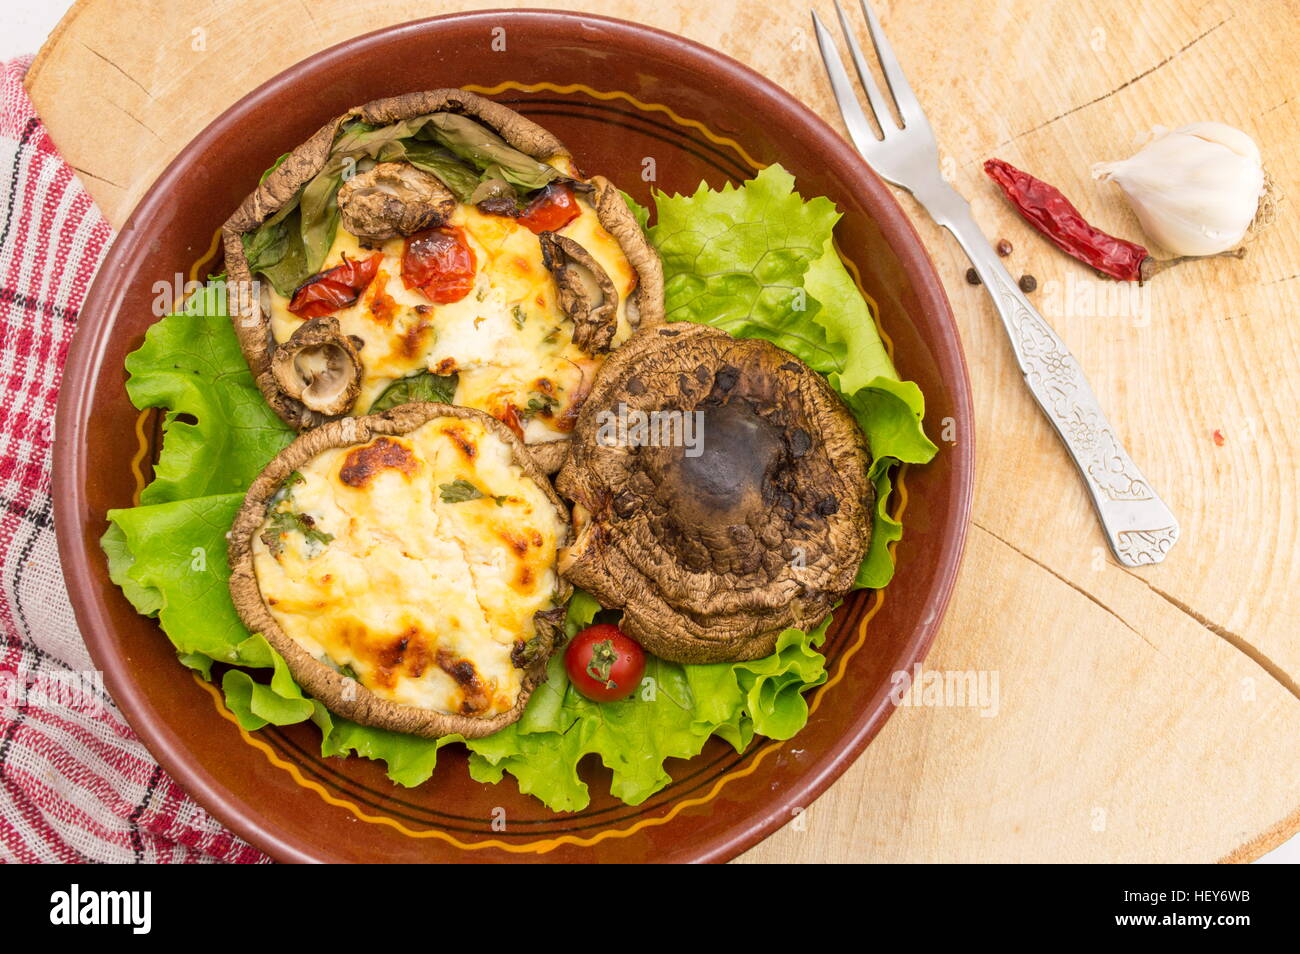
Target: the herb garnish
(287, 521)
(460, 490)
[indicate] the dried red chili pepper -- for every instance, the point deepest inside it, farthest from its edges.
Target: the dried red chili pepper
(1044, 207)
(1048, 210)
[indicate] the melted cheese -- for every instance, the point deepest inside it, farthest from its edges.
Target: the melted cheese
(507, 339)
(424, 599)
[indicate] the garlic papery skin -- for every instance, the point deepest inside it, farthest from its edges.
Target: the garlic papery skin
(1195, 189)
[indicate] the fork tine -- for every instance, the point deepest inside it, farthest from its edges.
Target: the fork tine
(860, 129)
(909, 107)
(879, 105)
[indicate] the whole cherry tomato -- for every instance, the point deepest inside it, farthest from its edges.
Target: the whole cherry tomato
(553, 208)
(335, 288)
(440, 263)
(604, 664)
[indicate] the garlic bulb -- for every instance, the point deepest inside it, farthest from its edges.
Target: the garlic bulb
(1195, 189)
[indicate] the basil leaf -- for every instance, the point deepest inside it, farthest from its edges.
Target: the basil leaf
(288, 269)
(320, 211)
(492, 187)
(275, 165)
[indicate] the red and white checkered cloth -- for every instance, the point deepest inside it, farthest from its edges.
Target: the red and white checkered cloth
(76, 784)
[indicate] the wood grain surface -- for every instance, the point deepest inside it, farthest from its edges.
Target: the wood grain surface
(1140, 715)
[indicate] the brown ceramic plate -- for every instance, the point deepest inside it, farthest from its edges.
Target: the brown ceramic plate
(615, 92)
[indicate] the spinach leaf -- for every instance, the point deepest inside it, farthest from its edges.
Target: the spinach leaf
(424, 386)
(454, 174)
(488, 152)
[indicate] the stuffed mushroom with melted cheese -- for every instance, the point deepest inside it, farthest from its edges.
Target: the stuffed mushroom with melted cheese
(404, 565)
(437, 246)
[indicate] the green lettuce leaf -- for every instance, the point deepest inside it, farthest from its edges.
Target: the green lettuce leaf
(176, 551)
(890, 413)
(409, 759)
(146, 600)
(218, 431)
(639, 211)
(736, 258)
(280, 702)
(878, 566)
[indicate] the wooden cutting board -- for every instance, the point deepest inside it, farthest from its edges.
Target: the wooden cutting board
(1141, 715)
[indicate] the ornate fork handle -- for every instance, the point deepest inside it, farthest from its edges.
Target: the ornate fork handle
(1137, 523)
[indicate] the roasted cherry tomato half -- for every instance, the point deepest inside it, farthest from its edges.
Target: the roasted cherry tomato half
(604, 664)
(553, 208)
(335, 288)
(509, 416)
(440, 263)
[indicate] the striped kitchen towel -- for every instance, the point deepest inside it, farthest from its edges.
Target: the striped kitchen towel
(76, 784)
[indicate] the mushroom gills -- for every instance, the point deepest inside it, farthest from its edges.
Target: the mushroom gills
(715, 543)
(734, 463)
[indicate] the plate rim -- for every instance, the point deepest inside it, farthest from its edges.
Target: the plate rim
(84, 364)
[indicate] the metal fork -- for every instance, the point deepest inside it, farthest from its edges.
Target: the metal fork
(1138, 525)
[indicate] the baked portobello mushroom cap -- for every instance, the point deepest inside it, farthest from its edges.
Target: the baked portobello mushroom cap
(393, 199)
(754, 522)
(340, 693)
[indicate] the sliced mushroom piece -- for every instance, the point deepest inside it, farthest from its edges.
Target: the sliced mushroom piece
(645, 306)
(587, 295)
(392, 199)
(319, 366)
(720, 493)
(495, 196)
